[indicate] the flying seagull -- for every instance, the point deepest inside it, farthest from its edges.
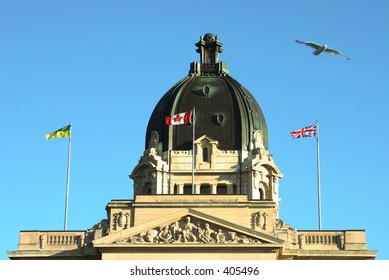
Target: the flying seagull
(322, 48)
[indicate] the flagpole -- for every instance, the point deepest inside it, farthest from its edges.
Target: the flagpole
(193, 149)
(67, 181)
(318, 173)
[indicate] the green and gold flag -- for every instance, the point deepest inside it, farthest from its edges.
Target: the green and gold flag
(60, 133)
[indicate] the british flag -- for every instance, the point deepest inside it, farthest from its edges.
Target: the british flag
(309, 131)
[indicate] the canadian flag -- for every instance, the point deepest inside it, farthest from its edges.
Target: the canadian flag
(182, 118)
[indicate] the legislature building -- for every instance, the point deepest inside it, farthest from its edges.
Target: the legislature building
(220, 202)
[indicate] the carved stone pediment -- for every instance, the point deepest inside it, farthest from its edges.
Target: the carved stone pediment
(187, 227)
(206, 139)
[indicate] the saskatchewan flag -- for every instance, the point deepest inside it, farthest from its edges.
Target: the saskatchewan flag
(60, 133)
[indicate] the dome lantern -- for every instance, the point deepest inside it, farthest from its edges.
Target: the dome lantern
(209, 48)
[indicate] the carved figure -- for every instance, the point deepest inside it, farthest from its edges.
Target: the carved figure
(220, 237)
(98, 230)
(165, 235)
(152, 152)
(234, 238)
(154, 139)
(149, 236)
(176, 232)
(278, 224)
(206, 234)
(153, 145)
(188, 231)
(245, 240)
(257, 141)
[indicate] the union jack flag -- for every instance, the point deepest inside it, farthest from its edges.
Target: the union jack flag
(309, 131)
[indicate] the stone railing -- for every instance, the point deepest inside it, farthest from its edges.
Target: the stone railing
(52, 240)
(62, 240)
(321, 239)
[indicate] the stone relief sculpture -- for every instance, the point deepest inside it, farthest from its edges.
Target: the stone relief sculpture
(150, 236)
(256, 219)
(187, 231)
(278, 224)
(258, 146)
(257, 140)
(207, 234)
(220, 237)
(283, 230)
(176, 232)
(120, 220)
(281, 225)
(99, 230)
(264, 226)
(153, 144)
(165, 235)
(154, 139)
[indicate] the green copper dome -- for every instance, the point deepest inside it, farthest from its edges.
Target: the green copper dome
(225, 110)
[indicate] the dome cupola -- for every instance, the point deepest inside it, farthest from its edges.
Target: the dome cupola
(225, 110)
(223, 152)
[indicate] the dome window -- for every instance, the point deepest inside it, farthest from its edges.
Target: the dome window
(220, 118)
(206, 90)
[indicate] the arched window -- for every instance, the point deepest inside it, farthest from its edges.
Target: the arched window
(264, 192)
(261, 194)
(147, 188)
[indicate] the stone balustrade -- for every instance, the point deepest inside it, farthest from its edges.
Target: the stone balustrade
(332, 240)
(61, 239)
(51, 240)
(319, 239)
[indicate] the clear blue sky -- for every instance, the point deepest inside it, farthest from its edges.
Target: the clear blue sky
(104, 65)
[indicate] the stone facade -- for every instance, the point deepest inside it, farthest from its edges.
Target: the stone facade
(192, 227)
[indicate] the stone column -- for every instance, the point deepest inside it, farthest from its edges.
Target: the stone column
(301, 242)
(213, 188)
(230, 188)
(197, 189)
(42, 241)
(178, 189)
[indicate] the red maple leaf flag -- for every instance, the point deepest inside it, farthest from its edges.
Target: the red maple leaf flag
(181, 118)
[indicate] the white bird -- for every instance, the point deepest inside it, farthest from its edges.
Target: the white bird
(322, 48)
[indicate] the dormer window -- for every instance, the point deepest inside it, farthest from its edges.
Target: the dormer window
(205, 154)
